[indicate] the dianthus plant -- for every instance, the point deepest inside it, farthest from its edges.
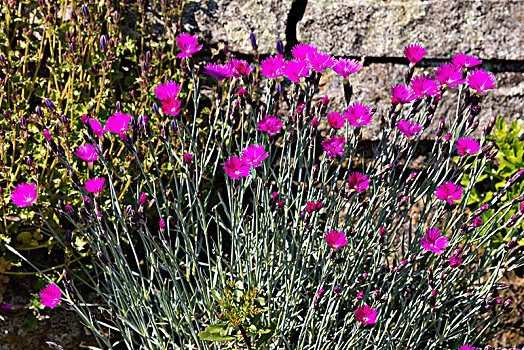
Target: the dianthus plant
(351, 248)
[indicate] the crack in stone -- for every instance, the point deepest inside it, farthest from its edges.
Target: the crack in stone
(298, 8)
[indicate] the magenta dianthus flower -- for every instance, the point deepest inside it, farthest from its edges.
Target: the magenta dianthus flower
(366, 315)
(465, 61)
(401, 94)
(345, 67)
(48, 135)
(118, 123)
(294, 70)
(467, 146)
(254, 154)
(87, 153)
(303, 51)
(449, 192)
(481, 80)
(320, 61)
(335, 120)
(270, 124)
(241, 68)
(50, 295)
(188, 158)
(334, 145)
(358, 182)
(188, 44)
(408, 128)
(236, 167)
(466, 347)
(171, 106)
(450, 75)
(336, 239)
(414, 52)
(219, 71)
(167, 90)
(424, 86)
(434, 241)
(95, 185)
(271, 67)
(358, 114)
(97, 127)
(24, 195)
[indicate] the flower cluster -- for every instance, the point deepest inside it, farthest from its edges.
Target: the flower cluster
(252, 156)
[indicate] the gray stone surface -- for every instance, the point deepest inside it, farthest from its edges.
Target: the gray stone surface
(490, 29)
(231, 21)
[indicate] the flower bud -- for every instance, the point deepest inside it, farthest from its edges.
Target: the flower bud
(118, 106)
(103, 43)
(74, 17)
(253, 39)
(68, 236)
(280, 47)
(49, 104)
(85, 11)
(23, 122)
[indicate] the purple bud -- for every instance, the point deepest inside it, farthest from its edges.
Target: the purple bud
(155, 109)
(39, 112)
(74, 17)
(148, 56)
(144, 66)
(116, 16)
(253, 39)
(57, 128)
(72, 48)
(103, 43)
(64, 120)
(68, 236)
(85, 11)
(2, 59)
(23, 122)
(49, 104)
(279, 89)
(174, 127)
(6, 307)
(7, 115)
(280, 47)
(118, 106)
(94, 69)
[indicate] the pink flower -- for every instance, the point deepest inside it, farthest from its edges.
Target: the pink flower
(456, 259)
(118, 123)
(87, 153)
(271, 67)
(481, 80)
(358, 182)
(414, 52)
(48, 135)
(6, 307)
(320, 61)
(294, 70)
(167, 90)
(423, 85)
(254, 154)
(270, 124)
(303, 51)
(24, 195)
(219, 71)
(358, 114)
(401, 94)
(467, 347)
(142, 199)
(50, 295)
(241, 68)
(188, 158)
(335, 120)
(464, 61)
(188, 44)
(449, 192)
(97, 127)
(366, 315)
(408, 128)
(334, 145)
(345, 67)
(95, 185)
(449, 75)
(467, 146)
(336, 239)
(171, 106)
(236, 167)
(434, 241)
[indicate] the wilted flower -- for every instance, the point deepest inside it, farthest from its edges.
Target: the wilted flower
(50, 295)
(335, 120)
(254, 154)
(271, 67)
(401, 94)
(424, 86)
(481, 80)
(449, 192)
(434, 241)
(358, 114)
(6, 307)
(219, 71)
(118, 123)
(303, 51)
(188, 44)
(477, 222)
(142, 199)
(24, 195)
(334, 145)
(167, 90)
(87, 153)
(450, 75)
(336, 239)
(236, 167)
(358, 182)
(345, 67)
(270, 124)
(414, 52)
(366, 315)
(465, 61)
(241, 68)
(95, 185)
(467, 146)
(408, 128)
(294, 70)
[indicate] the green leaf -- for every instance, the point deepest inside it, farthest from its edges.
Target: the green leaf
(222, 329)
(205, 335)
(30, 323)
(266, 334)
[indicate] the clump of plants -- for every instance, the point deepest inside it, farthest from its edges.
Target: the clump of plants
(266, 206)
